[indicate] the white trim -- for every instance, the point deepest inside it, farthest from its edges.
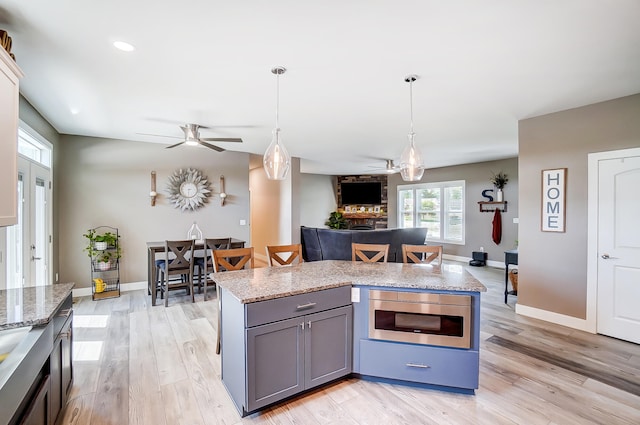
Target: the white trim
(490, 263)
(557, 318)
(592, 229)
(124, 287)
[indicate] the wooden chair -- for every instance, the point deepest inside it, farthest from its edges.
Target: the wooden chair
(426, 254)
(205, 264)
(178, 262)
(275, 254)
(369, 253)
(225, 260)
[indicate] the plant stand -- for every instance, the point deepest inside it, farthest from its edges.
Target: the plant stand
(105, 276)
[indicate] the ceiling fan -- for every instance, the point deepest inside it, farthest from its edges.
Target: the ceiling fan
(192, 138)
(389, 168)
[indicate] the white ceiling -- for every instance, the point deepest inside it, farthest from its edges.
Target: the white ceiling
(344, 105)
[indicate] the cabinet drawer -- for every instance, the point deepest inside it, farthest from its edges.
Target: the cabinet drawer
(420, 363)
(62, 315)
(297, 305)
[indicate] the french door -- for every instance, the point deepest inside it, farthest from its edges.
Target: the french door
(28, 243)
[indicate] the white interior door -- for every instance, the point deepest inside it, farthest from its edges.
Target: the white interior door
(618, 313)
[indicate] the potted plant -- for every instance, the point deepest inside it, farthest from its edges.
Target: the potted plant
(499, 180)
(103, 248)
(336, 221)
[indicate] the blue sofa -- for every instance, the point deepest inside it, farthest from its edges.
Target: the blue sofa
(328, 244)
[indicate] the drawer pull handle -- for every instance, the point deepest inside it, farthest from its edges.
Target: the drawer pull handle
(66, 312)
(420, 366)
(304, 306)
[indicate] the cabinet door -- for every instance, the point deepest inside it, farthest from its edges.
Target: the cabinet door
(67, 366)
(55, 362)
(274, 362)
(66, 360)
(9, 97)
(38, 411)
(328, 342)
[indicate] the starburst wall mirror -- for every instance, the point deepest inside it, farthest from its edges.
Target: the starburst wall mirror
(189, 189)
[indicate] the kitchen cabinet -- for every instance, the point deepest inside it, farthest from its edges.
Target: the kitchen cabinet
(35, 390)
(39, 412)
(290, 356)
(60, 361)
(10, 76)
(290, 345)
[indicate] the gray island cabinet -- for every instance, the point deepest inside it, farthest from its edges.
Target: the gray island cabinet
(285, 330)
(291, 345)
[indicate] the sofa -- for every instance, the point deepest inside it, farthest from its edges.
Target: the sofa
(328, 244)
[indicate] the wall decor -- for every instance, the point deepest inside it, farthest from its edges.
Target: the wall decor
(153, 194)
(554, 186)
(188, 189)
(223, 193)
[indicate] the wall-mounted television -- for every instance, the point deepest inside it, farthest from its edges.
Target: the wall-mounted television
(358, 193)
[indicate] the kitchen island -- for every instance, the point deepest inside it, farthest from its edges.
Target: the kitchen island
(36, 369)
(287, 330)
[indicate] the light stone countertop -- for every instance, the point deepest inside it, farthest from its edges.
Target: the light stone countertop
(31, 306)
(267, 283)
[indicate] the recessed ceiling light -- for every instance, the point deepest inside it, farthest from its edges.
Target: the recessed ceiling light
(75, 111)
(125, 47)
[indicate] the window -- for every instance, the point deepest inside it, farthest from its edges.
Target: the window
(33, 146)
(437, 206)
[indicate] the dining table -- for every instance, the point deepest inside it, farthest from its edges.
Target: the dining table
(154, 248)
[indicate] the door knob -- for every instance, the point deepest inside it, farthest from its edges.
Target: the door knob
(607, 257)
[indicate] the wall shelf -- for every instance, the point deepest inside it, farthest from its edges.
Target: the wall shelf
(492, 206)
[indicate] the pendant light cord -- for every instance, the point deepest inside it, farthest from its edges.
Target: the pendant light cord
(277, 101)
(411, 103)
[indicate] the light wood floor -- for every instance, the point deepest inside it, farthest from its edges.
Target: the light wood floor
(137, 364)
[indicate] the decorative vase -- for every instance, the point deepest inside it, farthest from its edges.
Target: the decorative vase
(499, 195)
(100, 246)
(104, 265)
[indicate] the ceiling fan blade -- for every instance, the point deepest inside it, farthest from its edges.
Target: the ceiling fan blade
(173, 146)
(222, 139)
(210, 146)
(160, 135)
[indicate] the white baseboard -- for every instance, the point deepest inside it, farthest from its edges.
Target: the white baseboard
(490, 263)
(557, 318)
(124, 287)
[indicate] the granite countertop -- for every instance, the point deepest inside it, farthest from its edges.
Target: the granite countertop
(32, 306)
(267, 283)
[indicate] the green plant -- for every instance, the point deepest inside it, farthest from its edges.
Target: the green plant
(499, 180)
(111, 239)
(336, 221)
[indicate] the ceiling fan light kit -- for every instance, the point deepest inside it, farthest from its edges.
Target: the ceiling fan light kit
(411, 163)
(276, 160)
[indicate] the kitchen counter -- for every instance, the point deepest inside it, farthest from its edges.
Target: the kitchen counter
(32, 306)
(261, 284)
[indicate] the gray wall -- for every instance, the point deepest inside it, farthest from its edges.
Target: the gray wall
(478, 224)
(317, 199)
(553, 266)
(107, 182)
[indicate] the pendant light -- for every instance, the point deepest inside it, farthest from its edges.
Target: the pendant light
(411, 164)
(276, 159)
